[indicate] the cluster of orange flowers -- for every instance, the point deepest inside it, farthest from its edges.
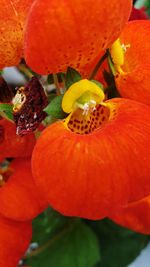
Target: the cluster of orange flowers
(95, 162)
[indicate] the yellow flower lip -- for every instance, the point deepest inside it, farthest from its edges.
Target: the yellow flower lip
(117, 52)
(81, 93)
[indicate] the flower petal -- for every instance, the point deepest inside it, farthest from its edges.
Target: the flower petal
(12, 145)
(134, 83)
(71, 33)
(12, 20)
(136, 216)
(14, 241)
(90, 175)
(19, 197)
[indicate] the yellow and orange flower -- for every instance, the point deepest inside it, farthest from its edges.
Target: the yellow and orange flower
(71, 33)
(90, 164)
(132, 61)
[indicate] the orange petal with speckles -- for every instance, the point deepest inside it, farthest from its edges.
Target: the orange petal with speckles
(71, 33)
(12, 20)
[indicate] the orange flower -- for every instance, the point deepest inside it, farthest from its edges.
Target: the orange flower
(12, 21)
(135, 216)
(71, 33)
(14, 241)
(19, 197)
(12, 145)
(90, 164)
(133, 61)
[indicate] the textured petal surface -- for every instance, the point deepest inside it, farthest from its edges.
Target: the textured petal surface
(12, 21)
(71, 33)
(136, 216)
(12, 145)
(19, 197)
(91, 175)
(14, 241)
(135, 83)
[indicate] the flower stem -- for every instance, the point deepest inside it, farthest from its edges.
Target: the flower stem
(50, 242)
(97, 66)
(56, 83)
(22, 68)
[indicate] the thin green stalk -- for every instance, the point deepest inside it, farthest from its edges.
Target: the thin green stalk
(50, 242)
(56, 84)
(94, 72)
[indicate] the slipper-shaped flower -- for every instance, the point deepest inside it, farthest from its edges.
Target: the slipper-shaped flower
(90, 164)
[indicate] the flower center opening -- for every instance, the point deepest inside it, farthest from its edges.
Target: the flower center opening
(87, 111)
(86, 121)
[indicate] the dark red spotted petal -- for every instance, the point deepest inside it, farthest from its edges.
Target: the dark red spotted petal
(28, 112)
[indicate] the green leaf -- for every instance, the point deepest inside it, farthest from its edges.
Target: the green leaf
(75, 246)
(147, 5)
(54, 108)
(111, 64)
(119, 246)
(72, 76)
(6, 110)
(46, 225)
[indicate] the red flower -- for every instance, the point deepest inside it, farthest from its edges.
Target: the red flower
(90, 164)
(14, 241)
(71, 33)
(12, 145)
(135, 216)
(19, 197)
(12, 21)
